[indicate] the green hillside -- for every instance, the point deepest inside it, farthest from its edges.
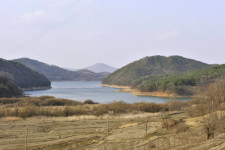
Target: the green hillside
(55, 73)
(154, 65)
(23, 76)
(181, 84)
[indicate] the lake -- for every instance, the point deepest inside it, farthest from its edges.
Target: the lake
(83, 90)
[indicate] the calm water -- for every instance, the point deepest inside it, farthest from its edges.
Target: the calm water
(83, 90)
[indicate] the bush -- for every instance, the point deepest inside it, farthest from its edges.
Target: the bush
(89, 102)
(53, 102)
(176, 105)
(118, 107)
(100, 110)
(8, 100)
(68, 111)
(28, 111)
(147, 107)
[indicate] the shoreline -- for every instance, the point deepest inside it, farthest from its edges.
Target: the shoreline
(36, 88)
(128, 89)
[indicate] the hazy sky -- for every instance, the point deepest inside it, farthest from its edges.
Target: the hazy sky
(80, 33)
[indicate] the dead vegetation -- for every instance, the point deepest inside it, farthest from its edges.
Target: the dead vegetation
(60, 124)
(50, 107)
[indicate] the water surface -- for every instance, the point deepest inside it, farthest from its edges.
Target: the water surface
(83, 90)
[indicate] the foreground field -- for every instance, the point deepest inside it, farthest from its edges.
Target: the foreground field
(49, 123)
(126, 131)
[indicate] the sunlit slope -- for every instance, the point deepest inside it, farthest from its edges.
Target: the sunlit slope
(154, 65)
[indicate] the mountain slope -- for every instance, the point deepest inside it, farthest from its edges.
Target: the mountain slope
(152, 66)
(9, 89)
(180, 84)
(100, 67)
(55, 73)
(22, 76)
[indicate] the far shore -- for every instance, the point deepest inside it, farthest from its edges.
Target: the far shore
(37, 88)
(128, 89)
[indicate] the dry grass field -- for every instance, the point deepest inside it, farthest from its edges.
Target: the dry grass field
(109, 132)
(48, 123)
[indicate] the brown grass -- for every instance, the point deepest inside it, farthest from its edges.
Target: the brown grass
(50, 106)
(60, 122)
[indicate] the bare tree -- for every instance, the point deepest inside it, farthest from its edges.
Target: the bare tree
(209, 125)
(164, 117)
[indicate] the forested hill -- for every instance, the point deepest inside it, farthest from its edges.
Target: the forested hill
(154, 65)
(23, 76)
(180, 84)
(55, 73)
(8, 88)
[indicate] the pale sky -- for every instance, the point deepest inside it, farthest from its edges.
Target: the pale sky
(80, 33)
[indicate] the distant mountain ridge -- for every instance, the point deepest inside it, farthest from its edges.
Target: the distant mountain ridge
(101, 67)
(23, 76)
(154, 65)
(97, 68)
(55, 73)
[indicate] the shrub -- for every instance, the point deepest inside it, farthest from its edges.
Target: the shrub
(8, 100)
(147, 107)
(89, 102)
(53, 102)
(28, 111)
(100, 110)
(176, 105)
(118, 107)
(68, 111)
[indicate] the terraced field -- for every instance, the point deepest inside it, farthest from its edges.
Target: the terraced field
(128, 131)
